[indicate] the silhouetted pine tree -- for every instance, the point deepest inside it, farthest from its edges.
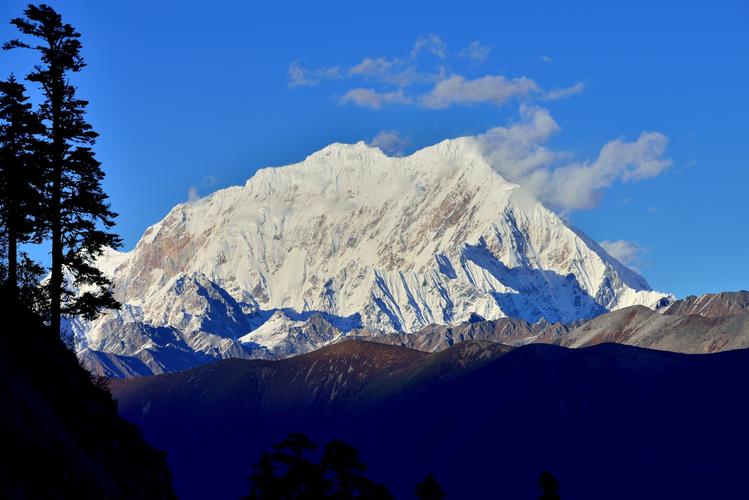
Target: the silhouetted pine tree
(342, 468)
(77, 213)
(264, 481)
(429, 489)
(287, 473)
(549, 486)
(21, 179)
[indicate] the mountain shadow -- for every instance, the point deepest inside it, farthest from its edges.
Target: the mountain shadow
(484, 419)
(536, 294)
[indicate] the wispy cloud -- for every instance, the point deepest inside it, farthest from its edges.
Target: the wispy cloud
(373, 99)
(476, 51)
(390, 142)
(430, 43)
(393, 71)
(626, 252)
(303, 77)
(545, 59)
(456, 89)
(421, 81)
(192, 194)
(563, 93)
(518, 152)
(380, 67)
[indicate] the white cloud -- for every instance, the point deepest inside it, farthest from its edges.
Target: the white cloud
(579, 185)
(519, 154)
(380, 67)
(302, 77)
(431, 43)
(390, 142)
(545, 59)
(192, 194)
(494, 89)
(476, 52)
(389, 77)
(517, 151)
(370, 98)
(385, 80)
(626, 252)
(392, 71)
(563, 93)
(397, 71)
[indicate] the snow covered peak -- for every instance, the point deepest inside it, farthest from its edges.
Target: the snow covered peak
(365, 240)
(340, 150)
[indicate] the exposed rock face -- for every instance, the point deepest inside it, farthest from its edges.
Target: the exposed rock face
(506, 331)
(722, 326)
(711, 305)
(709, 323)
(365, 240)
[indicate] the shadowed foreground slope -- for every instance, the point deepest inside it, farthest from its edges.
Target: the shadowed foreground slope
(61, 435)
(609, 421)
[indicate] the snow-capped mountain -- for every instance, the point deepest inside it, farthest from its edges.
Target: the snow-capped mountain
(354, 239)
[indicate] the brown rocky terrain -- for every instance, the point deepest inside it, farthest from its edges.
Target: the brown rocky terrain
(705, 324)
(713, 305)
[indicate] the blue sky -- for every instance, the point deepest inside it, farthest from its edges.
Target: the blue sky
(198, 95)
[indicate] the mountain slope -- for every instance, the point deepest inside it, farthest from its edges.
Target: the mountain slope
(705, 324)
(711, 305)
(610, 421)
(368, 241)
(61, 435)
(695, 325)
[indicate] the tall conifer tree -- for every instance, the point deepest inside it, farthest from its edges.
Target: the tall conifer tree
(77, 213)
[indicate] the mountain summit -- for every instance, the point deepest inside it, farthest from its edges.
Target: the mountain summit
(355, 239)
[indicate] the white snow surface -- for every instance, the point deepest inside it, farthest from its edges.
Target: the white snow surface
(371, 241)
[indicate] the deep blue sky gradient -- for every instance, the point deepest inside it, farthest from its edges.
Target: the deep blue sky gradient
(196, 94)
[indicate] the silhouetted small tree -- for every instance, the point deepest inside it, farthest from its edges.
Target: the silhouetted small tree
(345, 474)
(265, 483)
(429, 489)
(288, 473)
(549, 486)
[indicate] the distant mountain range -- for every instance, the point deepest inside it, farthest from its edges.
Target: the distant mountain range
(610, 421)
(706, 324)
(348, 240)
(696, 325)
